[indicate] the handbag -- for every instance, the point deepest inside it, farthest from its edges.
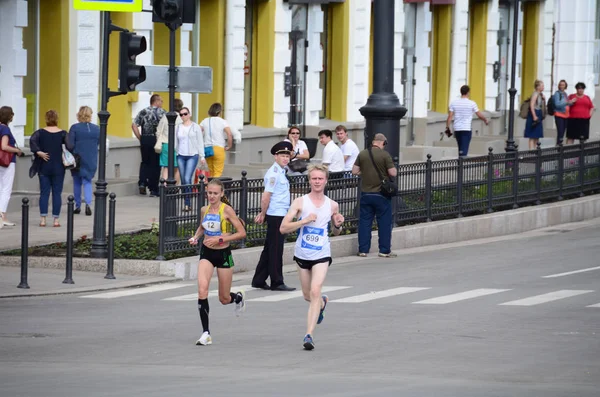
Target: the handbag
(299, 165)
(388, 187)
(5, 158)
(209, 151)
(68, 159)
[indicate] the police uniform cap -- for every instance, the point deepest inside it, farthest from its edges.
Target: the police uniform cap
(282, 147)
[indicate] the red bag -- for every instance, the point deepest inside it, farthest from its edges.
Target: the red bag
(206, 174)
(5, 158)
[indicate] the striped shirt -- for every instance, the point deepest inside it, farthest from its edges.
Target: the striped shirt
(463, 110)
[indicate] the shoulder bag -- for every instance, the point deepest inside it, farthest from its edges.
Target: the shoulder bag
(388, 187)
(209, 151)
(5, 158)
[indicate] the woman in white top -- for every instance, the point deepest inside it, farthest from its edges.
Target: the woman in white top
(312, 253)
(215, 129)
(300, 151)
(189, 145)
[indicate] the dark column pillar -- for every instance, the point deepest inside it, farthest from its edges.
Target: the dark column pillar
(383, 111)
(510, 142)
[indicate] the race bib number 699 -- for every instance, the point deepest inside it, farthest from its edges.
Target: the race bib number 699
(313, 238)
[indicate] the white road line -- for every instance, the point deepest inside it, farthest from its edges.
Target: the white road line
(474, 293)
(291, 295)
(596, 305)
(589, 269)
(544, 298)
(214, 292)
(378, 295)
(136, 291)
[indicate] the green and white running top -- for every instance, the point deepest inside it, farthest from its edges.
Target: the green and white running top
(313, 239)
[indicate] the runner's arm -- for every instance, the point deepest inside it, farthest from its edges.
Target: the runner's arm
(288, 225)
(337, 219)
(200, 230)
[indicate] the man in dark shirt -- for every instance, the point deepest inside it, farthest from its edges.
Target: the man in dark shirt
(372, 202)
(144, 128)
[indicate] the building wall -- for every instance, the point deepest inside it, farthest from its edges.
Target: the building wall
(460, 39)
(314, 61)
(358, 58)
(234, 59)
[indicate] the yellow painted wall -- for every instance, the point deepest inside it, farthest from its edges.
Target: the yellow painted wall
(119, 123)
(212, 50)
(531, 25)
(477, 51)
(263, 65)
(337, 84)
(442, 51)
(161, 54)
(54, 60)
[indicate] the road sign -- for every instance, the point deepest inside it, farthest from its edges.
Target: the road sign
(109, 5)
(193, 79)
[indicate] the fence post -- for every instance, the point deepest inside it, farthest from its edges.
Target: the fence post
(111, 238)
(561, 170)
(69, 266)
(490, 180)
(428, 177)
(24, 242)
(161, 221)
(244, 202)
(459, 185)
(395, 199)
(581, 166)
(538, 173)
(515, 179)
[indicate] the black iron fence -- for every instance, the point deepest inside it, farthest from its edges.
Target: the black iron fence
(431, 190)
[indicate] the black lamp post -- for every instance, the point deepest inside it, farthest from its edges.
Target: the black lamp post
(510, 142)
(383, 111)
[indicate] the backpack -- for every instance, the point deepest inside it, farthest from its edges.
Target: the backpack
(550, 107)
(524, 110)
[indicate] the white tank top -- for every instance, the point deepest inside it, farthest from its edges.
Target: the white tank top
(313, 239)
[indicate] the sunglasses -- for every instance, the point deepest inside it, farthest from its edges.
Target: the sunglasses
(294, 133)
(183, 114)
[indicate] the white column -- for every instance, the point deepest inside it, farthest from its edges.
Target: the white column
(358, 58)
(282, 57)
(314, 94)
(84, 62)
(460, 46)
(185, 58)
(545, 47)
(142, 25)
(235, 32)
(423, 54)
(398, 49)
(13, 63)
(493, 25)
(574, 43)
(518, 63)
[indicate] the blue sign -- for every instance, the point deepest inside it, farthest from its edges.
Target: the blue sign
(109, 5)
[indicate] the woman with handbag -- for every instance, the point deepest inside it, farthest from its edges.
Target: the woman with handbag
(215, 129)
(82, 141)
(8, 158)
(190, 150)
(301, 157)
(47, 145)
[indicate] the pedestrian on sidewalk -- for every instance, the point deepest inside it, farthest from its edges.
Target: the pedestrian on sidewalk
(8, 144)
(218, 222)
(534, 129)
(147, 120)
(582, 109)
(190, 146)
(561, 110)
(83, 140)
(370, 164)
(312, 252)
(274, 205)
(461, 110)
(348, 147)
(215, 130)
(162, 143)
(47, 145)
(332, 157)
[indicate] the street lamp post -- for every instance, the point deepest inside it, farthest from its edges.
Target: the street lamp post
(383, 111)
(510, 142)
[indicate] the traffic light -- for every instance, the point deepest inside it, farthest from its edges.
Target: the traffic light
(130, 46)
(167, 11)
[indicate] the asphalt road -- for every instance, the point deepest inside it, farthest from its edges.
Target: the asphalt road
(469, 320)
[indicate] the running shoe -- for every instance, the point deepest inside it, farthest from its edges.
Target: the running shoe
(362, 254)
(388, 255)
(308, 342)
(204, 340)
(241, 307)
(321, 316)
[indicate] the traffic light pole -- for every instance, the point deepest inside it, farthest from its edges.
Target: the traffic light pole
(172, 115)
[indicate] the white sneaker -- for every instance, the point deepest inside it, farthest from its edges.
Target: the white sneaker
(241, 307)
(204, 340)
(9, 223)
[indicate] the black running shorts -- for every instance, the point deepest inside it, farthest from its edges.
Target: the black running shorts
(306, 264)
(221, 258)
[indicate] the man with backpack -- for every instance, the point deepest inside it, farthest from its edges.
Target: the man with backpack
(144, 128)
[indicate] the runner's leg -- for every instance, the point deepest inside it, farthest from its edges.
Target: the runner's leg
(205, 271)
(319, 271)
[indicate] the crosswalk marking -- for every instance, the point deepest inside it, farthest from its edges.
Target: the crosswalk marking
(214, 292)
(291, 295)
(474, 293)
(589, 269)
(136, 291)
(545, 298)
(596, 305)
(378, 295)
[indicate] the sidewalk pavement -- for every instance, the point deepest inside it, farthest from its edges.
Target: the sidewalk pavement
(132, 213)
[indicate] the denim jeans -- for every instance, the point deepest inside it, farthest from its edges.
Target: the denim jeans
(78, 182)
(561, 126)
(463, 139)
(375, 205)
(187, 167)
(48, 183)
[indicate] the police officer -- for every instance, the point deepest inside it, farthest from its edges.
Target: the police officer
(274, 205)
